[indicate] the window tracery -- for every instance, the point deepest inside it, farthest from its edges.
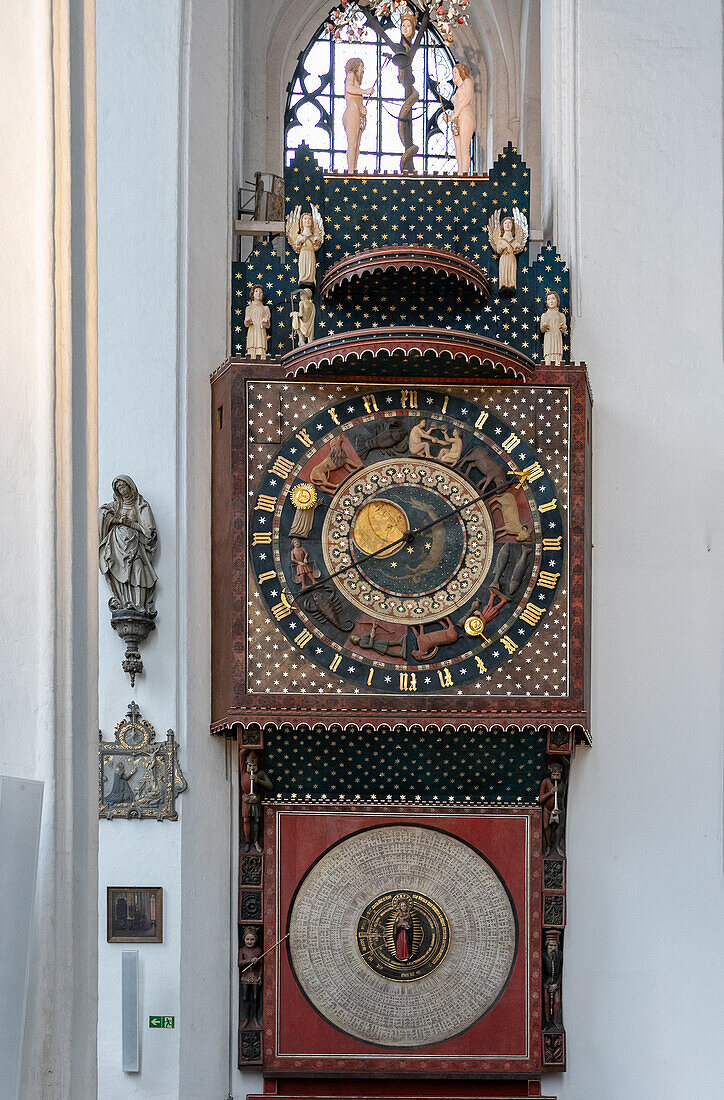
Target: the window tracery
(316, 102)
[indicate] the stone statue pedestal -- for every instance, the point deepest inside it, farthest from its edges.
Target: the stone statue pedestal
(133, 627)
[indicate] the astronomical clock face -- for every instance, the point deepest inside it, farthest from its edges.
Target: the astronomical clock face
(406, 540)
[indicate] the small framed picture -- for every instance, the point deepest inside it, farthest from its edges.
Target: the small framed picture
(135, 914)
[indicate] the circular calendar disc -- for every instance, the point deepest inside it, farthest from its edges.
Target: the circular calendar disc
(402, 936)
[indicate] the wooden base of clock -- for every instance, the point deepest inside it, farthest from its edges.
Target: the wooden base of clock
(371, 1089)
(410, 942)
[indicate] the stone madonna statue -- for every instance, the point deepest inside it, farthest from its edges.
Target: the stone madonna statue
(128, 543)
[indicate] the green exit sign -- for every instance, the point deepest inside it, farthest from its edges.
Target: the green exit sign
(162, 1021)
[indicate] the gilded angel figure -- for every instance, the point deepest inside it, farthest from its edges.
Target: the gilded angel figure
(508, 236)
(305, 233)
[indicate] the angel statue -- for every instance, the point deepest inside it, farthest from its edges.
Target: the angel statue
(508, 236)
(305, 233)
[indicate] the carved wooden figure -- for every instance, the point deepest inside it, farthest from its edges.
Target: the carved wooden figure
(550, 797)
(303, 318)
(257, 320)
(462, 116)
(253, 780)
(552, 975)
(508, 236)
(251, 979)
(355, 112)
(305, 233)
(553, 326)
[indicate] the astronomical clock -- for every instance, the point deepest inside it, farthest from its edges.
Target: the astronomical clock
(401, 473)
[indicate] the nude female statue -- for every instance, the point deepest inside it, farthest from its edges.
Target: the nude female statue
(462, 116)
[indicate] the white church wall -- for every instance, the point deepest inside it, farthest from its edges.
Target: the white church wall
(643, 962)
(47, 479)
(163, 247)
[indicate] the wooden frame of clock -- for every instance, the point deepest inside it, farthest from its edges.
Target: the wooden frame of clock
(404, 643)
(400, 646)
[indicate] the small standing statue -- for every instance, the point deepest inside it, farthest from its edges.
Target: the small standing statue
(252, 781)
(507, 238)
(305, 233)
(402, 931)
(354, 118)
(128, 544)
(553, 326)
(552, 968)
(462, 116)
(303, 317)
(550, 797)
(257, 320)
(251, 967)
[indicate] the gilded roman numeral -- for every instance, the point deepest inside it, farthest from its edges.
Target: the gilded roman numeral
(302, 638)
(547, 580)
(481, 664)
(549, 506)
(282, 609)
(333, 414)
(265, 503)
(369, 403)
(268, 576)
(532, 614)
(481, 419)
(553, 544)
(444, 404)
(261, 538)
(408, 681)
(369, 676)
(304, 437)
(511, 442)
(509, 643)
(533, 472)
(444, 677)
(408, 396)
(281, 466)
(336, 662)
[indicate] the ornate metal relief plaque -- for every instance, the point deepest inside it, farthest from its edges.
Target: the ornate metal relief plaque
(402, 936)
(136, 777)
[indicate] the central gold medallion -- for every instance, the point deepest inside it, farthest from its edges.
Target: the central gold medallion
(403, 935)
(379, 526)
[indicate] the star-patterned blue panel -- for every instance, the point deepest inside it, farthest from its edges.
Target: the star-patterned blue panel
(417, 765)
(367, 212)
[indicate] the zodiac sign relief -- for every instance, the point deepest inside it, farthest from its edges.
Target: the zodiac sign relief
(337, 459)
(514, 526)
(371, 638)
(306, 571)
(428, 644)
(451, 446)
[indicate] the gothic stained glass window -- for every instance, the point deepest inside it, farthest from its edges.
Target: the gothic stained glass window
(315, 103)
